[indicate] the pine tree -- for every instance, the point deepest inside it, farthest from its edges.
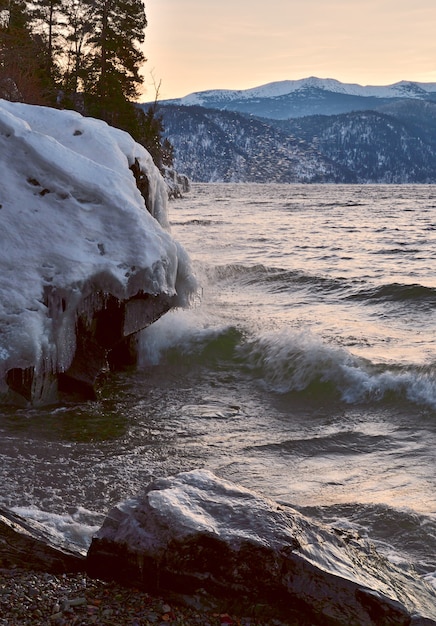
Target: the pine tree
(116, 57)
(150, 130)
(88, 51)
(23, 57)
(167, 153)
(77, 29)
(45, 21)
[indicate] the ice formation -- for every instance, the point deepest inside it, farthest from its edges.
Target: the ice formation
(77, 236)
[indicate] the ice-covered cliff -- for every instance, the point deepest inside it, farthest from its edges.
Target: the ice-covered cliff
(86, 256)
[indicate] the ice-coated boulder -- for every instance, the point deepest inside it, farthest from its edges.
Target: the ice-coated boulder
(197, 534)
(27, 544)
(86, 257)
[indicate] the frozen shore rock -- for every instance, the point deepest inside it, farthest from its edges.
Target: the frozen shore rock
(27, 544)
(199, 536)
(86, 257)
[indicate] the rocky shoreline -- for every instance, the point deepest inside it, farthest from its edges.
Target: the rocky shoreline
(197, 550)
(35, 598)
(44, 583)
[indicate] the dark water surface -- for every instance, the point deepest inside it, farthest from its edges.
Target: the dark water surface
(305, 369)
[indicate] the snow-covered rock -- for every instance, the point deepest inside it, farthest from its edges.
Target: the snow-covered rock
(177, 184)
(197, 532)
(86, 256)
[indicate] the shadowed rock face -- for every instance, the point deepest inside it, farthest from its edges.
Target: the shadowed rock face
(196, 535)
(108, 340)
(104, 341)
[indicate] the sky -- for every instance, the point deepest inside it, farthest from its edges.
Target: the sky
(195, 45)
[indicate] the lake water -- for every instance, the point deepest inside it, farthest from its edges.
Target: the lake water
(305, 370)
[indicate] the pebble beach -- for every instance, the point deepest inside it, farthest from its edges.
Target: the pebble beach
(29, 598)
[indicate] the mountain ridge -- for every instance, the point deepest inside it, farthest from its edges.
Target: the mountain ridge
(285, 87)
(312, 130)
(394, 146)
(307, 96)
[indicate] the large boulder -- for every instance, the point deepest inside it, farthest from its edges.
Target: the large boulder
(86, 256)
(197, 535)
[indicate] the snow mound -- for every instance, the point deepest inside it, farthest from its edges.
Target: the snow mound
(75, 228)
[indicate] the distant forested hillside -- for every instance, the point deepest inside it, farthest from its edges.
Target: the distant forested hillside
(396, 144)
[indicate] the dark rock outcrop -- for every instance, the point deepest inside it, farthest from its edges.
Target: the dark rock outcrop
(196, 535)
(105, 340)
(27, 544)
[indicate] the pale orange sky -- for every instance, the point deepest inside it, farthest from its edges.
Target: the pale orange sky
(193, 45)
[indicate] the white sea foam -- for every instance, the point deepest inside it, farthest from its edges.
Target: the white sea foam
(431, 578)
(184, 330)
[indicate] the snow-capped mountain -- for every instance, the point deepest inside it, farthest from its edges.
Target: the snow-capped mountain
(308, 96)
(286, 87)
(309, 130)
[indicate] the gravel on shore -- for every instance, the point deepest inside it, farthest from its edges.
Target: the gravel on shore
(29, 598)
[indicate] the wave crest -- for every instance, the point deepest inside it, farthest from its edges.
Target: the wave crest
(285, 361)
(274, 280)
(187, 337)
(289, 362)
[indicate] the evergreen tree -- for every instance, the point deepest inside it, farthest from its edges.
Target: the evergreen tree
(116, 58)
(45, 20)
(78, 25)
(150, 131)
(167, 153)
(23, 60)
(88, 51)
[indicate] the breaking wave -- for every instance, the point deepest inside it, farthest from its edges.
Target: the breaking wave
(187, 336)
(289, 362)
(286, 362)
